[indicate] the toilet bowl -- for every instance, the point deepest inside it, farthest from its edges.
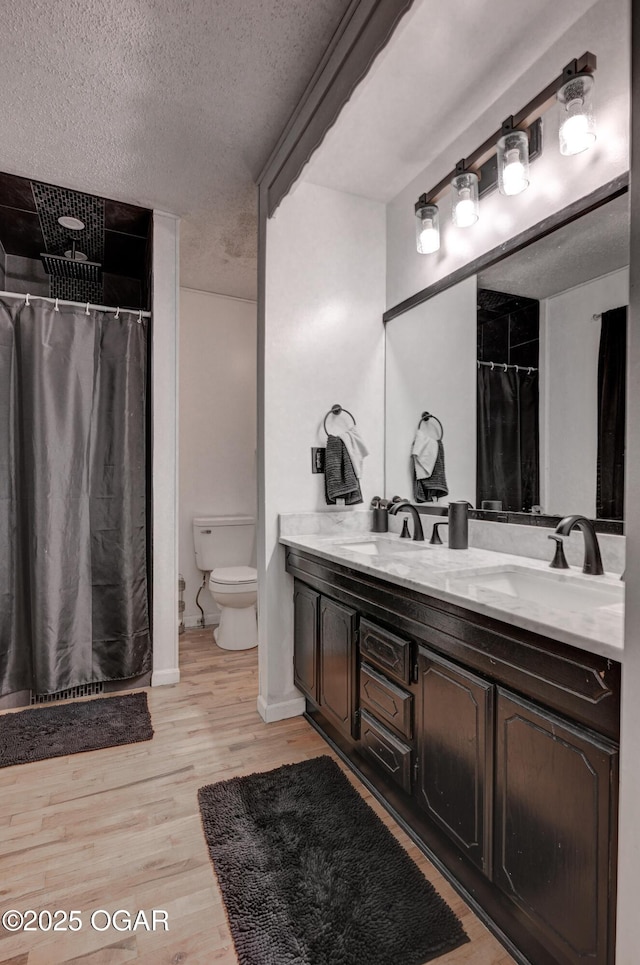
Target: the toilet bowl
(235, 590)
(224, 546)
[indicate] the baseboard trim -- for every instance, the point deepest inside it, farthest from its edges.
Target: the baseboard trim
(193, 623)
(280, 709)
(162, 678)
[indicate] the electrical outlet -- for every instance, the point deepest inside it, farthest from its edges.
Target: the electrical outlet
(317, 459)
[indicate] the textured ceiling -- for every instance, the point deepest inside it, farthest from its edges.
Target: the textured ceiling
(161, 104)
(593, 246)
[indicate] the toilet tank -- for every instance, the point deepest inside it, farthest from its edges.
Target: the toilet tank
(224, 541)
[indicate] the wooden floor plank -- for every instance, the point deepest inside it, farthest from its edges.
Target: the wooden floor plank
(120, 827)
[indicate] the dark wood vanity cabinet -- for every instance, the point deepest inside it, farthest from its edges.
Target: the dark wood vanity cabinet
(305, 639)
(454, 774)
(337, 664)
(555, 827)
(495, 746)
(324, 655)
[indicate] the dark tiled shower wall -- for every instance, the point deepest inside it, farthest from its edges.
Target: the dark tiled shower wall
(76, 290)
(508, 328)
(114, 290)
(27, 275)
(117, 235)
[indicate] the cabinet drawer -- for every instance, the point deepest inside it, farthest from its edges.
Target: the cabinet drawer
(390, 754)
(392, 654)
(387, 702)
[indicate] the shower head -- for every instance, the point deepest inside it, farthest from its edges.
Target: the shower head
(62, 266)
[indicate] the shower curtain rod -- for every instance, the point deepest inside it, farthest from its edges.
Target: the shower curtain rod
(504, 365)
(85, 305)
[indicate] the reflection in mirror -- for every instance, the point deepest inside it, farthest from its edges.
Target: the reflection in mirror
(551, 438)
(431, 367)
(508, 401)
(578, 277)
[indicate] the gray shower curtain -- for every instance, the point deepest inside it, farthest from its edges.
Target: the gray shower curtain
(508, 438)
(73, 520)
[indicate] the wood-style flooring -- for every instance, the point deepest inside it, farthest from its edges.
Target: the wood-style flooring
(120, 828)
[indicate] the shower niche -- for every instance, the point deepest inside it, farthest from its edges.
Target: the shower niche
(65, 244)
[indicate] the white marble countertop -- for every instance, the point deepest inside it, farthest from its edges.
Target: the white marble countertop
(451, 574)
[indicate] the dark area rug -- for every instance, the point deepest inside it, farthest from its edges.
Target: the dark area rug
(311, 876)
(56, 730)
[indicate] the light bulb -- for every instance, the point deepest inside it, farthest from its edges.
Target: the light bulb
(513, 162)
(513, 177)
(465, 214)
(576, 135)
(464, 206)
(427, 227)
(577, 127)
(429, 239)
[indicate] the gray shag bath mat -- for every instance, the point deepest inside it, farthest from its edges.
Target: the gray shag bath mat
(311, 876)
(56, 730)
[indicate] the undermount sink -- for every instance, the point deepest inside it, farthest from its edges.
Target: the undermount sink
(384, 547)
(559, 591)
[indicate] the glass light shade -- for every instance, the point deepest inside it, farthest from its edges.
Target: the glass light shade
(513, 162)
(427, 228)
(464, 202)
(577, 118)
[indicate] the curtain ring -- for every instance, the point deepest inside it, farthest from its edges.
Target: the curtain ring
(505, 368)
(26, 298)
(55, 307)
(140, 317)
(529, 371)
(118, 312)
(87, 308)
(492, 366)
(517, 369)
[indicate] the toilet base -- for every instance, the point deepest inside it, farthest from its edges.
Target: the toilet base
(238, 628)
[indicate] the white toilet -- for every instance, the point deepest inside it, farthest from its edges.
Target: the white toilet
(224, 547)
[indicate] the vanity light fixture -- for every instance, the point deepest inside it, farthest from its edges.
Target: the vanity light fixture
(465, 209)
(503, 160)
(577, 129)
(427, 226)
(513, 160)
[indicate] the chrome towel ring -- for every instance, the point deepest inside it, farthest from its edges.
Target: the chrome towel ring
(426, 416)
(336, 410)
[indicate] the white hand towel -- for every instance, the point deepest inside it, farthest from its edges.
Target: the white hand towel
(424, 452)
(355, 448)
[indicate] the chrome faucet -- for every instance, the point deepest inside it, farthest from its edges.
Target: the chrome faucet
(406, 506)
(592, 558)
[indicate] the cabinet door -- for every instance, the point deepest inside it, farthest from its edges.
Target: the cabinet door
(305, 640)
(337, 649)
(454, 743)
(555, 827)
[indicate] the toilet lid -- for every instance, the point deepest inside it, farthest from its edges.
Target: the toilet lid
(234, 574)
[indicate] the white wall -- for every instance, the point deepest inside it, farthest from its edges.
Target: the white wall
(555, 180)
(569, 346)
(164, 441)
(323, 344)
(431, 365)
(217, 423)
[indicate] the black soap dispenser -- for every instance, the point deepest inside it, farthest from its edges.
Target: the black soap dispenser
(459, 524)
